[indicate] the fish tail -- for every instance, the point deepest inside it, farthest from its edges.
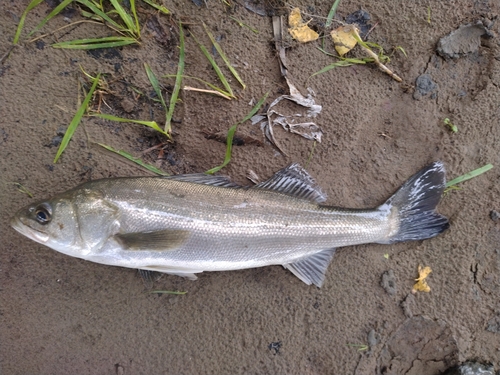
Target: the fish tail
(416, 203)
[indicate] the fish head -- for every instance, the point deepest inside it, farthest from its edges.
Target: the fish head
(52, 223)
(76, 223)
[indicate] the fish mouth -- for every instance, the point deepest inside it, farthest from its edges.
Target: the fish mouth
(27, 231)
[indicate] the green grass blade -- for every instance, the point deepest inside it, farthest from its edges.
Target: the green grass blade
(402, 50)
(178, 82)
(230, 135)
(90, 15)
(219, 73)
(107, 42)
(136, 20)
(76, 120)
(22, 189)
(150, 124)
(353, 60)
(333, 9)
(155, 84)
(213, 87)
(101, 14)
(126, 18)
(52, 14)
(161, 8)
(468, 176)
(326, 52)
(30, 6)
(244, 25)
(138, 161)
(332, 66)
(224, 57)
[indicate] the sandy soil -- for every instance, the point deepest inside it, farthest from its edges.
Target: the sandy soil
(61, 315)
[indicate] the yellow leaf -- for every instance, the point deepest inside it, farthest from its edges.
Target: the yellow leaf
(421, 285)
(295, 19)
(298, 29)
(343, 39)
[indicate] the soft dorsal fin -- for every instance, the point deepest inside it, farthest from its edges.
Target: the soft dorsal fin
(205, 179)
(294, 180)
(312, 269)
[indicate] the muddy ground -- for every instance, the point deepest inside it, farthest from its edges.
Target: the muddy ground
(61, 315)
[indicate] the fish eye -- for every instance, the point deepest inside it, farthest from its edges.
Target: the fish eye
(43, 214)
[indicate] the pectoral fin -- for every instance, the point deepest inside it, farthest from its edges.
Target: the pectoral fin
(312, 269)
(161, 240)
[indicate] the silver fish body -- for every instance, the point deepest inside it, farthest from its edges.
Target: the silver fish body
(188, 224)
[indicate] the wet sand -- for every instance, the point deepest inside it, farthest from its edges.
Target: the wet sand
(62, 315)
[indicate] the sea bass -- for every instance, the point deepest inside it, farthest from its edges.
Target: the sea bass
(187, 224)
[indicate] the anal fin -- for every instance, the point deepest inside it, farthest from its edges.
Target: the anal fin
(173, 271)
(312, 269)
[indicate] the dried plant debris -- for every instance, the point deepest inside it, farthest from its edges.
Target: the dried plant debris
(293, 123)
(343, 39)
(464, 40)
(279, 43)
(421, 283)
(298, 29)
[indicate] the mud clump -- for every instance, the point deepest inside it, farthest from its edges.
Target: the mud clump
(388, 282)
(464, 40)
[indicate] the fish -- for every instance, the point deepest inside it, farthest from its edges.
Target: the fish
(187, 224)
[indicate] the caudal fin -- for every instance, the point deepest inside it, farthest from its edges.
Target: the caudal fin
(416, 203)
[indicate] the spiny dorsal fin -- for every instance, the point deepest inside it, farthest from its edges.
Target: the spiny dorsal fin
(294, 180)
(205, 179)
(312, 269)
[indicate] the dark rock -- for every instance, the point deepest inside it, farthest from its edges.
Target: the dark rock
(494, 324)
(105, 53)
(360, 18)
(275, 347)
(471, 368)
(127, 105)
(424, 85)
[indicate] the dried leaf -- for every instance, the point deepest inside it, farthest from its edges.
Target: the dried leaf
(421, 285)
(343, 39)
(273, 116)
(298, 29)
